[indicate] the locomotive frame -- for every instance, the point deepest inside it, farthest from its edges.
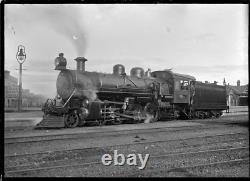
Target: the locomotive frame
(116, 98)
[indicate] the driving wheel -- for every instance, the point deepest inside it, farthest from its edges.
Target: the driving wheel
(72, 120)
(138, 113)
(151, 113)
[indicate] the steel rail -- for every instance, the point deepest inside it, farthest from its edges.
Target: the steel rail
(79, 135)
(198, 152)
(217, 163)
(213, 164)
(95, 134)
(128, 144)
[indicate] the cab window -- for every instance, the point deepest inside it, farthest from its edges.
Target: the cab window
(177, 85)
(184, 84)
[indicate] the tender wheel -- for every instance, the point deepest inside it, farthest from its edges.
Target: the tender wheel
(72, 120)
(151, 113)
(218, 114)
(199, 115)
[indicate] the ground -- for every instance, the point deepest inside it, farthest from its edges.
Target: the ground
(177, 148)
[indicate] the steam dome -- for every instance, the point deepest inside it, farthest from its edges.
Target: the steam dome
(137, 72)
(118, 69)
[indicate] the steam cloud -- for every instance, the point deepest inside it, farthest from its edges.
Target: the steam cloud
(64, 19)
(87, 88)
(148, 119)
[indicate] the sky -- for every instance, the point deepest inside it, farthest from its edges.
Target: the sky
(209, 42)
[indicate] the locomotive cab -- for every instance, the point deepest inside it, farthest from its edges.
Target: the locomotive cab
(179, 85)
(182, 89)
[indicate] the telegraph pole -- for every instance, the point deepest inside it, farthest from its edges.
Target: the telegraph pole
(20, 56)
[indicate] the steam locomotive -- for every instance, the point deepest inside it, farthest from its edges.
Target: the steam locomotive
(116, 98)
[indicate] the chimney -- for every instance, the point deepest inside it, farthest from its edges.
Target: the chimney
(238, 83)
(80, 64)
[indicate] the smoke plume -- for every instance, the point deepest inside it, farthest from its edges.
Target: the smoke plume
(64, 19)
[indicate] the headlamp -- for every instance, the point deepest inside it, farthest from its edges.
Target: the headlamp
(60, 62)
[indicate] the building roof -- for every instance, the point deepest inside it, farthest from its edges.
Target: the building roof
(239, 90)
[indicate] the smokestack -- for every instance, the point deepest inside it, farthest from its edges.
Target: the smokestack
(238, 83)
(80, 64)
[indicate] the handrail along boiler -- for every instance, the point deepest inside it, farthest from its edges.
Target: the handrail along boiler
(84, 96)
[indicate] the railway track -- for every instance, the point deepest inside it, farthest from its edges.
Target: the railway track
(53, 137)
(74, 155)
(238, 135)
(29, 139)
(199, 169)
(43, 146)
(196, 170)
(173, 158)
(199, 153)
(83, 156)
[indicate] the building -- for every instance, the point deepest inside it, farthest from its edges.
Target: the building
(237, 95)
(11, 89)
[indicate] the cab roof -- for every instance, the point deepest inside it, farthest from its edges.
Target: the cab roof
(177, 75)
(183, 76)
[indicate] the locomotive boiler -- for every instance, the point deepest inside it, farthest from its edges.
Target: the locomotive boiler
(91, 96)
(84, 97)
